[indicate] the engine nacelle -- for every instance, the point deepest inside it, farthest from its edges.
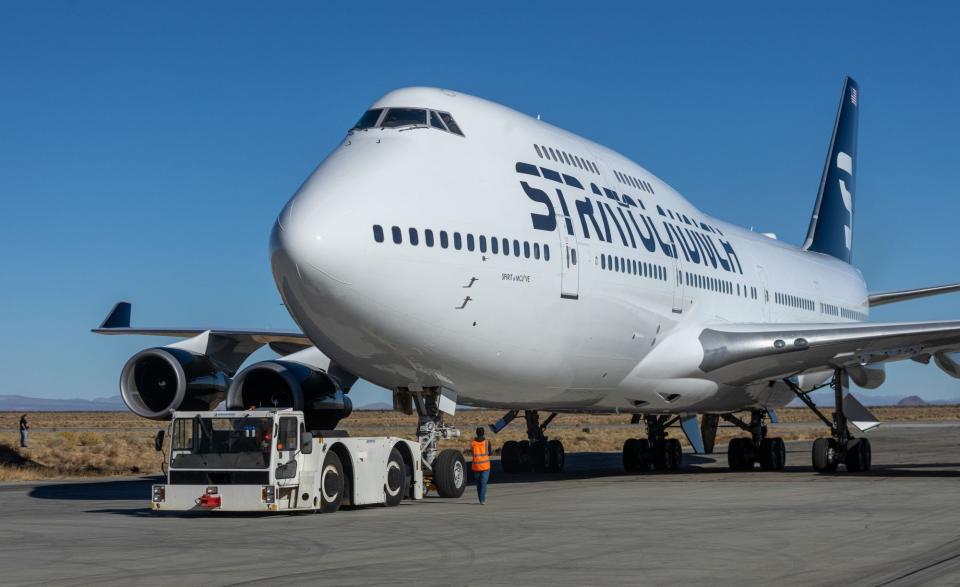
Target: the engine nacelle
(286, 384)
(157, 381)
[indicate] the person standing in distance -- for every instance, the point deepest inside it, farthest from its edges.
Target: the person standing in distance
(481, 464)
(24, 427)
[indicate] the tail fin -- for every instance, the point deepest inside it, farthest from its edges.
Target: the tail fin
(831, 227)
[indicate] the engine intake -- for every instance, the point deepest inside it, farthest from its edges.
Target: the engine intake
(286, 384)
(157, 381)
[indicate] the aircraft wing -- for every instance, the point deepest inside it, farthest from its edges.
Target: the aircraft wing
(230, 346)
(745, 353)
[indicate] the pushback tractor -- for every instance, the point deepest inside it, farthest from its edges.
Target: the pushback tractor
(265, 460)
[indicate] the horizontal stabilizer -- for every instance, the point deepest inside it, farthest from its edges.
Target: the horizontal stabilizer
(858, 415)
(890, 297)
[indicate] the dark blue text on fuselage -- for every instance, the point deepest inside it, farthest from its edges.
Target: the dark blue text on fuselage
(628, 217)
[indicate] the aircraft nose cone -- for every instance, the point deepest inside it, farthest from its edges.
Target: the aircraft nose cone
(307, 241)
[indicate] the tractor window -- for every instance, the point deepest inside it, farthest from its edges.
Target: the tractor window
(287, 437)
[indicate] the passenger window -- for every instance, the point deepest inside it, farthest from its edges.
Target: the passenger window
(470, 242)
(603, 261)
(396, 117)
(397, 235)
(378, 233)
(369, 119)
(546, 252)
(444, 241)
(506, 247)
(526, 249)
(552, 154)
(483, 243)
(536, 250)
(414, 238)
(494, 245)
(616, 264)
(435, 121)
(516, 248)
(451, 123)
(428, 237)
(537, 149)
(457, 241)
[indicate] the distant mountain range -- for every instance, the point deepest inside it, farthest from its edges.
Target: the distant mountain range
(22, 403)
(825, 398)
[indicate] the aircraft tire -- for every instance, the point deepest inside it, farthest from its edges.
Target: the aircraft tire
(675, 452)
(661, 456)
(539, 456)
(772, 454)
(450, 473)
(736, 457)
(631, 455)
(822, 447)
(645, 457)
(510, 457)
(858, 455)
(557, 456)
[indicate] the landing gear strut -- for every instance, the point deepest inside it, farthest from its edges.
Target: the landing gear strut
(743, 453)
(445, 469)
(841, 446)
(656, 450)
(537, 453)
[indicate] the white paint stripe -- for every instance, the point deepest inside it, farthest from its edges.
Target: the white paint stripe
(845, 162)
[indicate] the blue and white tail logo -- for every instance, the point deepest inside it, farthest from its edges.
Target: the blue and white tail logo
(831, 227)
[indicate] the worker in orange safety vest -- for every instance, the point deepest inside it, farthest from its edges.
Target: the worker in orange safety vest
(481, 464)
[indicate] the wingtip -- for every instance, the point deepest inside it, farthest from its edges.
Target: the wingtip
(119, 317)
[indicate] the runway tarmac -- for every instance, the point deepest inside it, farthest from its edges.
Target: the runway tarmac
(592, 525)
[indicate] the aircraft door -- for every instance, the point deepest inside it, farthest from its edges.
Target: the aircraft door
(569, 263)
(677, 278)
(764, 294)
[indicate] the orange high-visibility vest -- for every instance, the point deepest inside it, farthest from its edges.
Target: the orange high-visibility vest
(481, 458)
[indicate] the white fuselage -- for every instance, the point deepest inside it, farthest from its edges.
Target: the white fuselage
(526, 330)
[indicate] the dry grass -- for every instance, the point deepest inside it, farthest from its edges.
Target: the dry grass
(84, 444)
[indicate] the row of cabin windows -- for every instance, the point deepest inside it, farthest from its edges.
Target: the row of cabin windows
(469, 242)
(688, 220)
(795, 301)
(829, 309)
(852, 314)
(400, 117)
(564, 157)
(720, 285)
(633, 267)
(632, 181)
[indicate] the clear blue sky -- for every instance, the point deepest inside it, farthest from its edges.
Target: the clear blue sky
(145, 148)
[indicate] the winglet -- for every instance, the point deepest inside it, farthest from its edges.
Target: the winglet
(119, 316)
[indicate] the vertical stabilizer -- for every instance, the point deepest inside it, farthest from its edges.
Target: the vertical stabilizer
(831, 227)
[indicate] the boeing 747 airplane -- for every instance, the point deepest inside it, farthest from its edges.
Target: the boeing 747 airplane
(456, 251)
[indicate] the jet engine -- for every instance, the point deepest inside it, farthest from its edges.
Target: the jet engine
(287, 384)
(157, 381)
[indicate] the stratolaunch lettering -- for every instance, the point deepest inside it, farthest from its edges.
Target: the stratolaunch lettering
(634, 228)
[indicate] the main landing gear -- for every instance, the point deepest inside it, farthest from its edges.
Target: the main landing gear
(656, 450)
(743, 452)
(841, 446)
(445, 469)
(537, 453)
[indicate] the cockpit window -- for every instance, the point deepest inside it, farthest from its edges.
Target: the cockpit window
(404, 117)
(407, 117)
(369, 119)
(435, 121)
(451, 123)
